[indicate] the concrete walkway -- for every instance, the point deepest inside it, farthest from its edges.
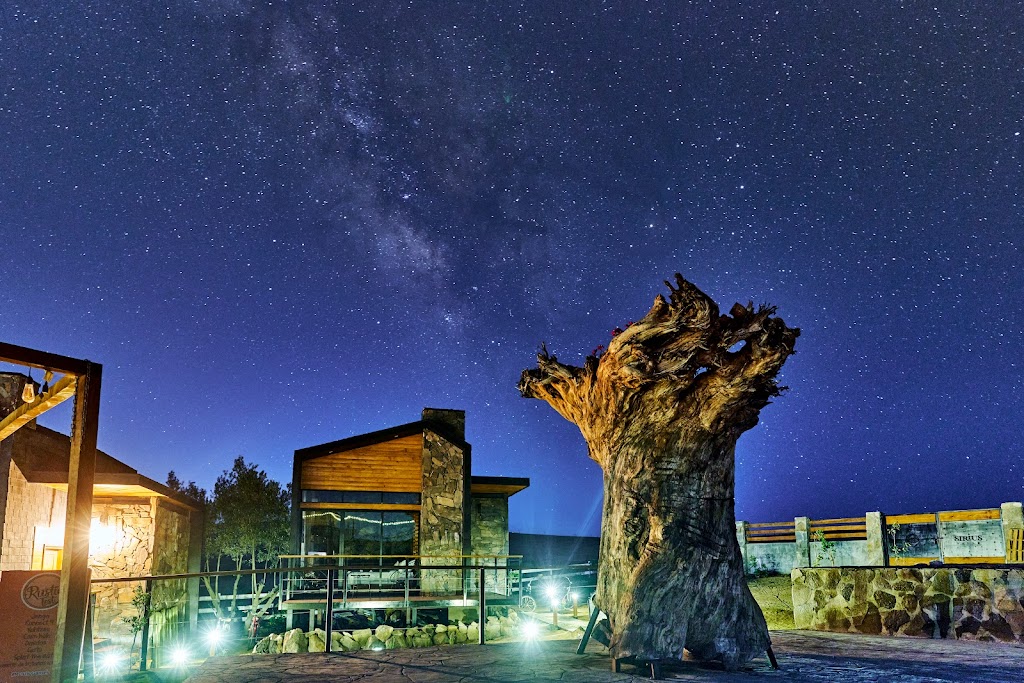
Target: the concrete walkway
(803, 656)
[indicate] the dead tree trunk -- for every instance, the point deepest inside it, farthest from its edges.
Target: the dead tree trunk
(661, 411)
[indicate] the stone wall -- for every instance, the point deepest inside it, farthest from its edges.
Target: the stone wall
(169, 621)
(489, 534)
(122, 545)
(29, 507)
(442, 518)
(959, 603)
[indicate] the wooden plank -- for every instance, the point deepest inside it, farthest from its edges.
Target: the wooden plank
(61, 391)
(968, 515)
(779, 539)
(923, 518)
(21, 355)
(909, 561)
(845, 535)
(761, 525)
(1015, 546)
(394, 466)
(839, 520)
(975, 560)
(359, 506)
(838, 527)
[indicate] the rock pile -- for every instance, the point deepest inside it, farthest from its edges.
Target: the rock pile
(386, 637)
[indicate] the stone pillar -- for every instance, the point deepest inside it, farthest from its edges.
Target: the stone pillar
(741, 539)
(875, 529)
(455, 420)
(11, 386)
(1012, 518)
(443, 512)
(802, 547)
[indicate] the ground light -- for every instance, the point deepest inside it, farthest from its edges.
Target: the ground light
(110, 662)
(179, 656)
(530, 630)
(214, 637)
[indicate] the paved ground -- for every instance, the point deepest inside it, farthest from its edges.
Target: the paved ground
(803, 656)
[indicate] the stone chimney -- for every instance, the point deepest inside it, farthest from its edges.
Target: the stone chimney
(455, 420)
(11, 386)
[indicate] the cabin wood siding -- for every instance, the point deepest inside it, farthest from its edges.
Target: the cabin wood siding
(394, 466)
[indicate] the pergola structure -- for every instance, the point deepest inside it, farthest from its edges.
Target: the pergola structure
(81, 379)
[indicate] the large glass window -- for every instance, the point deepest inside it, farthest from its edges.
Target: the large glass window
(321, 532)
(359, 532)
(398, 534)
(321, 496)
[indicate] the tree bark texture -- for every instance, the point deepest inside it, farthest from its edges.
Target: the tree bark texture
(661, 410)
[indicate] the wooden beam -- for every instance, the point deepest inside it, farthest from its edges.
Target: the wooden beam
(25, 413)
(74, 573)
(21, 355)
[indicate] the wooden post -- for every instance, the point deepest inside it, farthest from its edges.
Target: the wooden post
(74, 574)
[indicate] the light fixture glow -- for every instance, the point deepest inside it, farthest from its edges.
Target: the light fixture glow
(530, 630)
(28, 394)
(110, 661)
(214, 636)
(179, 656)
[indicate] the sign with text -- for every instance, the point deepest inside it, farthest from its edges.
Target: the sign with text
(28, 625)
(973, 538)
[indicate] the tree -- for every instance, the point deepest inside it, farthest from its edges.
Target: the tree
(661, 410)
(247, 520)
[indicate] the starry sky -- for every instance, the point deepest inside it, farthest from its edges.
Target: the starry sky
(278, 224)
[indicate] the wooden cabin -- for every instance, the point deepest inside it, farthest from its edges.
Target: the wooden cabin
(405, 490)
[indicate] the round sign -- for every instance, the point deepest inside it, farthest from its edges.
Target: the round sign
(41, 592)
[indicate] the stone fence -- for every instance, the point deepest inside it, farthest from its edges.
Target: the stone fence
(968, 537)
(941, 602)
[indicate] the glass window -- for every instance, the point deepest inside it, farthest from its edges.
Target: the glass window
(322, 496)
(362, 496)
(398, 532)
(402, 498)
(321, 532)
(361, 532)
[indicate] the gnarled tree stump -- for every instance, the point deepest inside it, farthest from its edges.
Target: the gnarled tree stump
(661, 411)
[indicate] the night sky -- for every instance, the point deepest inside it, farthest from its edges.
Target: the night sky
(279, 224)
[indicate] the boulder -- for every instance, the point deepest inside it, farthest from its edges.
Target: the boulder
(473, 632)
(316, 641)
(362, 636)
(262, 647)
(374, 644)
(440, 628)
(383, 632)
(295, 641)
(276, 643)
(441, 638)
(348, 643)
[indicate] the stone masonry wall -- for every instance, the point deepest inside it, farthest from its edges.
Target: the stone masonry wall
(489, 534)
(958, 603)
(122, 545)
(170, 556)
(442, 517)
(28, 506)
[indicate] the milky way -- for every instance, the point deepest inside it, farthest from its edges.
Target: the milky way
(278, 224)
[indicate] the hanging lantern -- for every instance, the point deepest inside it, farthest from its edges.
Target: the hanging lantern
(28, 394)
